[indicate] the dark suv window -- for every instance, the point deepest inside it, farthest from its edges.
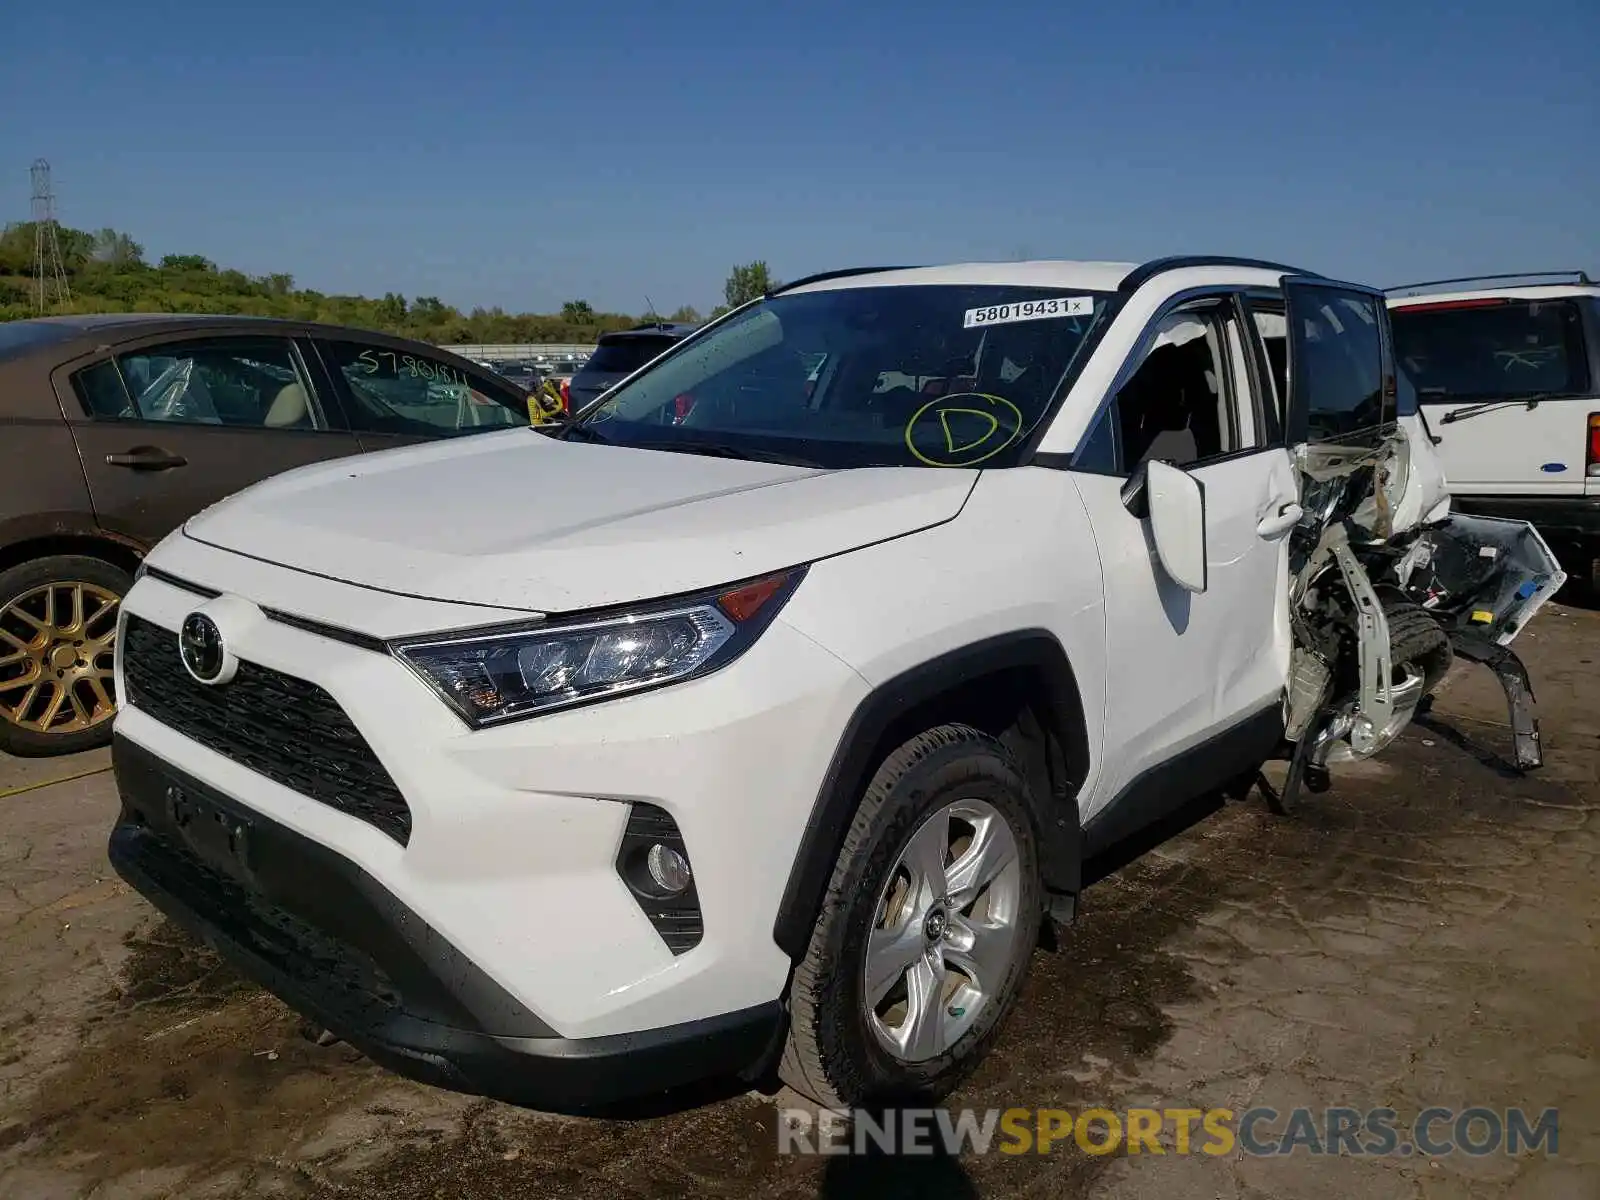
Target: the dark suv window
(1466, 350)
(624, 356)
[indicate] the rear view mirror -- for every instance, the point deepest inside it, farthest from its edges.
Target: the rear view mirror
(1178, 523)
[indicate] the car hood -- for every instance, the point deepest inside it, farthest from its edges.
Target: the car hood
(521, 521)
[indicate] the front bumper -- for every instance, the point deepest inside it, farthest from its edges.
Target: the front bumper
(336, 946)
(510, 856)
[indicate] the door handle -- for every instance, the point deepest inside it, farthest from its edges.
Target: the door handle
(147, 458)
(1287, 517)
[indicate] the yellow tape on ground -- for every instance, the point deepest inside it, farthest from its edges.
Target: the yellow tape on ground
(44, 783)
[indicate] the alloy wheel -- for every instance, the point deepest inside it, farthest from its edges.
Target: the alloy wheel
(946, 932)
(56, 646)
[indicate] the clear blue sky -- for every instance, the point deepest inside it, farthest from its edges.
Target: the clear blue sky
(525, 153)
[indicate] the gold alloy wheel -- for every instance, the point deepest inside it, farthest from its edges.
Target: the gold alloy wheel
(56, 644)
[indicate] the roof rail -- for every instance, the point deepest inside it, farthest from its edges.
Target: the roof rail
(1142, 275)
(843, 273)
(1579, 277)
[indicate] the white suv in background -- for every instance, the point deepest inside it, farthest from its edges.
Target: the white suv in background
(861, 631)
(1507, 368)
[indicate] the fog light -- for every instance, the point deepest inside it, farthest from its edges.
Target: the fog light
(654, 862)
(668, 869)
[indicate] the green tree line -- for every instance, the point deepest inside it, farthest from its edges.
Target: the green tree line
(107, 271)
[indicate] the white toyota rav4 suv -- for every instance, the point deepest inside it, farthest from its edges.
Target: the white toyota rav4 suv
(754, 720)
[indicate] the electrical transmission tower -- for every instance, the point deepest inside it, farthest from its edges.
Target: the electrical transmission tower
(49, 273)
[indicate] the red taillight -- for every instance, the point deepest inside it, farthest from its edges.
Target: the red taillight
(1442, 305)
(1593, 466)
(682, 406)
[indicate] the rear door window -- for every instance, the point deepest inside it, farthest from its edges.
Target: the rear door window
(400, 391)
(1468, 350)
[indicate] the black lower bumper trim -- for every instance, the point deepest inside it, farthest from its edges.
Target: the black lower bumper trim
(1521, 706)
(1564, 516)
(328, 940)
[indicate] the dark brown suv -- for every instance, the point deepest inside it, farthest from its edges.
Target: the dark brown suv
(114, 429)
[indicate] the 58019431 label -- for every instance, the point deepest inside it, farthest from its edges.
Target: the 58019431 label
(1029, 310)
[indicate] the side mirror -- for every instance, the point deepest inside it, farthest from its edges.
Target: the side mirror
(1178, 523)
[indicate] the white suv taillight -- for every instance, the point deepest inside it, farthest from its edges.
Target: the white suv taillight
(1593, 469)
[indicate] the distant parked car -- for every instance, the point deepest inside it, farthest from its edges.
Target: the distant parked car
(618, 355)
(523, 374)
(1507, 368)
(115, 429)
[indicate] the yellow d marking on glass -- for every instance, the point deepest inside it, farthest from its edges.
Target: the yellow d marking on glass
(946, 407)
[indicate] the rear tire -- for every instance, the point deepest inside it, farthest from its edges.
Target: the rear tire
(57, 635)
(841, 1050)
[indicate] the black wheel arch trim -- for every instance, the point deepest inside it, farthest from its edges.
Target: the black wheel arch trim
(861, 748)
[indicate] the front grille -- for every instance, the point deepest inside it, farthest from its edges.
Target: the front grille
(346, 980)
(288, 729)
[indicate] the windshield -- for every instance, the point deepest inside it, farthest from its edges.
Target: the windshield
(1471, 350)
(932, 375)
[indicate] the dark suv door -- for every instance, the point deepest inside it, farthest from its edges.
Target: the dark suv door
(167, 427)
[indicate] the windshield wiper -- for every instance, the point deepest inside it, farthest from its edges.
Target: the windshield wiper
(1530, 402)
(724, 450)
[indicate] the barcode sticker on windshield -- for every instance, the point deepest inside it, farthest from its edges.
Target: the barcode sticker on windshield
(1029, 310)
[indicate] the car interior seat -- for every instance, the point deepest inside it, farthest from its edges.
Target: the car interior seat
(289, 408)
(1166, 406)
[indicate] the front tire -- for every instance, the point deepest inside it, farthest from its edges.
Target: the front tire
(58, 626)
(1417, 644)
(927, 929)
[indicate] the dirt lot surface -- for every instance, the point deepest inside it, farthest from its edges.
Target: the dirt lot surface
(1424, 934)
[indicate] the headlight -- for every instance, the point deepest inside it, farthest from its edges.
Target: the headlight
(493, 676)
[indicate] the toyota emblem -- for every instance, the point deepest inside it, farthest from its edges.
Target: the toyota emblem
(200, 647)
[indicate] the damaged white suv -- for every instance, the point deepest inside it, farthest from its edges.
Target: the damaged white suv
(754, 721)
